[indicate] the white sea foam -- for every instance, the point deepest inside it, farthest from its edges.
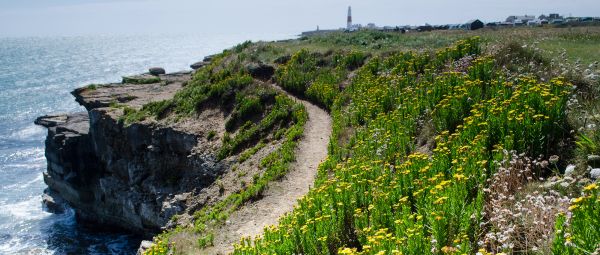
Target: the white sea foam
(29, 132)
(28, 154)
(30, 209)
(24, 185)
(21, 246)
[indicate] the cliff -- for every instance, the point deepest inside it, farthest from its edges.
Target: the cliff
(120, 175)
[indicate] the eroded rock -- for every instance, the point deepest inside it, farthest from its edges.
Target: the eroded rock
(199, 65)
(133, 177)
(260, 71)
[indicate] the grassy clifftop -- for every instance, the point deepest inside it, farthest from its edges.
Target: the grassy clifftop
(443, 143)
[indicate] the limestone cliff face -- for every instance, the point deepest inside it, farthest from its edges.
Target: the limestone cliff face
(133, 177)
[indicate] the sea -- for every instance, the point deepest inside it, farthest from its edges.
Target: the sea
(37, 75)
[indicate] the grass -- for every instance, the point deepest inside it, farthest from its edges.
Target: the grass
(250, 152)
(375, 193)
(577, 49)
(141, 79)
(254, 112)
(378, 196)
(276, 165)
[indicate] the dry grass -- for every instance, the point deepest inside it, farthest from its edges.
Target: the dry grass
(520, 219)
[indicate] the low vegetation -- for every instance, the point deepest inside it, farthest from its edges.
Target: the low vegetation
(141, 79)
(378, 195)
(456, 147)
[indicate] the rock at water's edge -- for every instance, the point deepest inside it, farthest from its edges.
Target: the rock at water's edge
(133, 177)
(156, 71)
(53, 203)
(199, 65)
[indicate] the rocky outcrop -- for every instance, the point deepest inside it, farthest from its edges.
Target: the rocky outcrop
(260, 71)
(134, 177)
(199, 65)
(156, 71)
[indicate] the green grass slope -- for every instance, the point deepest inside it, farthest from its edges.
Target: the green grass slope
(443, 143)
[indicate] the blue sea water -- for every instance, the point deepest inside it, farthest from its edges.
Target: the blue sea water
(37, 75)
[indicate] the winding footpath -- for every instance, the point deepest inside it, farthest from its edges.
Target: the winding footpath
(280, 196)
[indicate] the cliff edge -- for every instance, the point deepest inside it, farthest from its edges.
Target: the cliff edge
(135, 177)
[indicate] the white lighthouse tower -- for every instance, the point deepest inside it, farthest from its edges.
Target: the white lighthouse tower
(349, 24)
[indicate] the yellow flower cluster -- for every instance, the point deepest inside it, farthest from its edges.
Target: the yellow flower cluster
(377, 195)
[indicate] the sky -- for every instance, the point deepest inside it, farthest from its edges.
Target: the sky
(89, 17)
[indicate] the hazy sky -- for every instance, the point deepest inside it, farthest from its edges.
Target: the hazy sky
(76, 17)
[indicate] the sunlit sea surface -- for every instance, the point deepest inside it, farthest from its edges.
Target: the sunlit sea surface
(37, 75)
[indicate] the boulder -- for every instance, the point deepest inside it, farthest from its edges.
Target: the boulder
(208, 58)
(283, 59)
(156, 71)
(260, 71)
(199, 65)
(53, 203)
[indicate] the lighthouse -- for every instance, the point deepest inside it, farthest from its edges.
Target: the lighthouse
(349, 25)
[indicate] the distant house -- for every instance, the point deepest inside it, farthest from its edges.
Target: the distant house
(535, 22)
(519, 19)
(441, 27)
(586, 19)
(557, 21)
(454, 26)
(425, 28)
(371, 26)
(554, 16)
(572, 19)
(474, 24)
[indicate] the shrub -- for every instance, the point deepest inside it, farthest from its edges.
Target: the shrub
(296, 75)
(579, 234)
(211, 134)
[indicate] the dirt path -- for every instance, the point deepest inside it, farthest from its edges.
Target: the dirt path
(281, 196)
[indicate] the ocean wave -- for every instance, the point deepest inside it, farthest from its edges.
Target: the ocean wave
(24, 185)
(29, 154)
(30, 209)
(20, 246)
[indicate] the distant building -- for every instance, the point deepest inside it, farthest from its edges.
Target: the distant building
(473, 24)
(586, 19)
(424, 28)
(454, 26)
(519, 20)
(371, 26)
(554, 16)
(572, 19)
(535, 22)
(349, 20)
